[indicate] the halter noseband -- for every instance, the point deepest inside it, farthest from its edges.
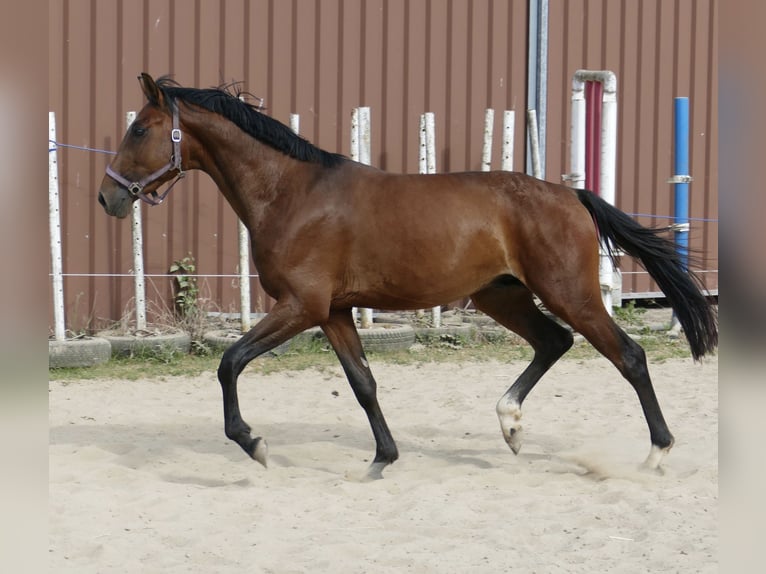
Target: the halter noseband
(136, 188)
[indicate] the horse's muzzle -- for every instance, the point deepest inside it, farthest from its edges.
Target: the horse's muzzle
(116, 202)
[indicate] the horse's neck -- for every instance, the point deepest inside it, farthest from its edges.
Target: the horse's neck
(248, 173)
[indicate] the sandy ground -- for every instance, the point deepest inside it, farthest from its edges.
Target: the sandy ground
(142, 478)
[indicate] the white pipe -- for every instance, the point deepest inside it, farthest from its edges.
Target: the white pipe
(295, 123)
(137, 240)
(365, 156)
(430, 139)
(431, 142)
(422, 163)
(365, 138)
(534, 143)
(361, 152)
(244, 275)
(608, 127)
(243, 247)
(354, 154)
(608, 145)
(486, 154)
(608, 154)
(509, 121)
(576, 177)
(608, 163)
(59, 323)
(423, 146)
(606, 77)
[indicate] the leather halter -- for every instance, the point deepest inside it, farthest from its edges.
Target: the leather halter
(136, 188)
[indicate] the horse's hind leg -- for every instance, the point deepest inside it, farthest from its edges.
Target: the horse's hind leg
(343, 337)
(511, 304)
(630, 360)
(591, 319)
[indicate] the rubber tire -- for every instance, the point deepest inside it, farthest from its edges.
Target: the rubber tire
(480, 320)
(131, 345)
(84, 352)
(465, 331)
(222, 339)
(387, 337)
(382, 337)
(392, 319)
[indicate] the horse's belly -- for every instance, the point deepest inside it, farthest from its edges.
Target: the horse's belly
(417, 284)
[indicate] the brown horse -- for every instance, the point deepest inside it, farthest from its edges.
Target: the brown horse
(329, 234)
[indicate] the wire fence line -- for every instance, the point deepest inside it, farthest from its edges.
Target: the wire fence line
(171, 275)
(57, 145)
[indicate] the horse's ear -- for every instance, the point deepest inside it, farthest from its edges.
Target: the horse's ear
(151, 90)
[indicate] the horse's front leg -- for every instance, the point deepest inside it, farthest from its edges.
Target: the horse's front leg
(343, 337)
(282, 323)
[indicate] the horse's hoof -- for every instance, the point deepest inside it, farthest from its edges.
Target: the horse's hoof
(509, 414)
(375, 471)
(513, 439)
(259, 451)
(656, 454)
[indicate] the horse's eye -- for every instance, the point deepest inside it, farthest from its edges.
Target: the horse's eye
(138, 131)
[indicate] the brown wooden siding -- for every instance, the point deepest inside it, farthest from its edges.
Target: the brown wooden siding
(321, 58)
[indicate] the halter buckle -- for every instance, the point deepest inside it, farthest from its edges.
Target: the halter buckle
(135, 188)
(175, 135)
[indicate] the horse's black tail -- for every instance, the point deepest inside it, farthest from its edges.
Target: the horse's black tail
(660, 257)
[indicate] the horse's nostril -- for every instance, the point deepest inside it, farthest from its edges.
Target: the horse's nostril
(101, 199)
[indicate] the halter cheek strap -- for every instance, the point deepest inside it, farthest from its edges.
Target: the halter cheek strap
(136, 188)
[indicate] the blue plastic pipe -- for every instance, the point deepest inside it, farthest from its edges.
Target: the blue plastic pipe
(681, 177)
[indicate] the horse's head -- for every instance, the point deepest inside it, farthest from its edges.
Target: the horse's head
(149, 155)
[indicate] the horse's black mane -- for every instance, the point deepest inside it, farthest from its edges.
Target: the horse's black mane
(226, 102)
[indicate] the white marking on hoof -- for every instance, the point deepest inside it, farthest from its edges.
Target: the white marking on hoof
(261, 453)
(373, 472)
(656, 454)
(509, 414)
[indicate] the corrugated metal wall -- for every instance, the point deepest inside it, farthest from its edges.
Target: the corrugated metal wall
(317, 58)
(321, 58)
(659, 50)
